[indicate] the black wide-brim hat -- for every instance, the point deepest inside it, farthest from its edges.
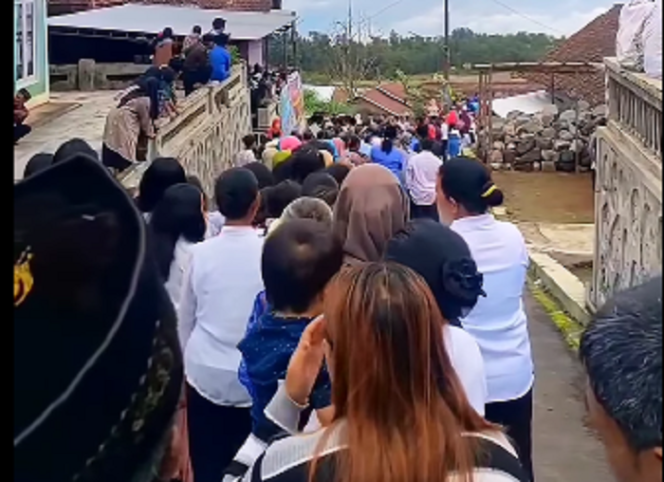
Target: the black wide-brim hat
(97, 363)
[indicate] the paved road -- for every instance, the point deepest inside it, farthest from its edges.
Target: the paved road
(86, 122)
(564, 449)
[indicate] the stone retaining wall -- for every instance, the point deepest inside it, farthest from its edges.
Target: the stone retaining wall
(549, 140)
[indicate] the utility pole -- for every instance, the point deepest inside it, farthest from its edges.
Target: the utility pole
(350, 65)
(446, 46)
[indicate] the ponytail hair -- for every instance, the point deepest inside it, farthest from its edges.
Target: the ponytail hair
(389, 135)
(492, 195)
(469, 183)
(387, 145)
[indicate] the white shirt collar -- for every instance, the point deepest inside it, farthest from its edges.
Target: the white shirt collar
(474, 222)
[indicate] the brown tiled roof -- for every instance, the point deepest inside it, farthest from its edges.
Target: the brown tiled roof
(394, 89)
(61, 7)
(500, 89)
(590, 44)
(58, 7)
(385, 102)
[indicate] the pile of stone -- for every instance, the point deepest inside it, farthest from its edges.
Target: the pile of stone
(549, 140)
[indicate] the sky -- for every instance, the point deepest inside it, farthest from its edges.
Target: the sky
(425, 17)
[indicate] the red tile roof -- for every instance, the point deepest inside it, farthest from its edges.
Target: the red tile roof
(393, 89)
(61, 7)
(590, 44)
(385, 102)
(58, 7)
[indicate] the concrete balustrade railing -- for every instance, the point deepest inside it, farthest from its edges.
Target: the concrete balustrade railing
(628, 191)
(635, 102)
(206, 134)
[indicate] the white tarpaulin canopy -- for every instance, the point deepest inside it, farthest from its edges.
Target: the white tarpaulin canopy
(527, 103)
(152, 19)
(323, 92)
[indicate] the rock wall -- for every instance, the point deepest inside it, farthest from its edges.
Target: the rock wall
(549, 140)
(628, 214)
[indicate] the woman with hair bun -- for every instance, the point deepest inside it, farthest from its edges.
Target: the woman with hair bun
(442, 258)
(465, 194)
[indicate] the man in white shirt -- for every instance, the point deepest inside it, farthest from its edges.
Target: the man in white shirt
(219, 289)
(421, 176)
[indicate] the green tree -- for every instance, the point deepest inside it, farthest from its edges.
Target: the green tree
(313, 103)
(319, 54)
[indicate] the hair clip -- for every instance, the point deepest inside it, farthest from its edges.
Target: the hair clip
(23, 280)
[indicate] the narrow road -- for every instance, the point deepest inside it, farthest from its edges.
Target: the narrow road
(565, 450)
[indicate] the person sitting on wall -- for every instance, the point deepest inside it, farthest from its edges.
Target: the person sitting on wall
(195, 37)
(220, 59)
(196, 67)
(163, 48)
(21, 129)
(218, 27)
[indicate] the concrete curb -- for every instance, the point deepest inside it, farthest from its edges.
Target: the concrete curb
(565, 288)
(561, 294)
(569, 329)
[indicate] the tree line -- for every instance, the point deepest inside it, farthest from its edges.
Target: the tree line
(324, 56)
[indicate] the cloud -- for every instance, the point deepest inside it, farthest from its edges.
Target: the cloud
(303, 6)
(431, 23)
(425, 17)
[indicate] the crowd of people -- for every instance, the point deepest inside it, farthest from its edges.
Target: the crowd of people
(335, 313)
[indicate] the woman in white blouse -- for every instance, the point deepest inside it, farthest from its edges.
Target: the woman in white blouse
(177, 222)
(465, 195)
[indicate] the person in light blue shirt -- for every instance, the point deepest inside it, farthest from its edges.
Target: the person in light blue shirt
(453, 143)
(387, 155)
(220, 59)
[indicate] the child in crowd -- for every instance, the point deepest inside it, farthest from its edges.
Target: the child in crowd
(215, 220)
(248, 155)
(321, 185)
(278, 197)
(299, 259)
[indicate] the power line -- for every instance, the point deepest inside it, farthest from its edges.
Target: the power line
(526, 17)
(368, 19)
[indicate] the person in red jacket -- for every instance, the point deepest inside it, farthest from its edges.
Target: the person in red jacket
(452, 118)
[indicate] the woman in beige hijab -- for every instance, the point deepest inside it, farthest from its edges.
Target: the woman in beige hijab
(371, 208)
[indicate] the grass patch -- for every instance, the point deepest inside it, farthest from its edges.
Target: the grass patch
(568, 327)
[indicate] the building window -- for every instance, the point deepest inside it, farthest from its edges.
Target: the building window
(25, 39)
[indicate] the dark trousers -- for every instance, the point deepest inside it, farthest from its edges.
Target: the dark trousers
(517, 418)
(216, 433)
(112, 159)
(419, 212)
(192, 77)
(20, 131)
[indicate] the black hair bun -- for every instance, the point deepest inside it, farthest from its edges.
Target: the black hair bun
(492, 195)
(462, 281)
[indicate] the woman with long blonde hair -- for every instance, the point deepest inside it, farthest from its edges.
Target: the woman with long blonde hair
(401, 414)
